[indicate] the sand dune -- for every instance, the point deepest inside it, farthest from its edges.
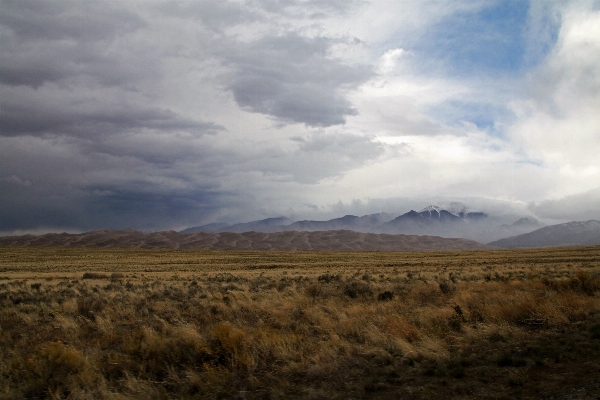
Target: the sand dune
(338, 240)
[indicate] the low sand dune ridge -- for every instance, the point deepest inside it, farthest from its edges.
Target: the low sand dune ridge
(339, 240)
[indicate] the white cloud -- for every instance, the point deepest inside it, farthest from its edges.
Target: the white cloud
(559, 124)
(578, 207)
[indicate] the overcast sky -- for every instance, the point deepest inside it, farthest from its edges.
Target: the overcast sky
(169, 114)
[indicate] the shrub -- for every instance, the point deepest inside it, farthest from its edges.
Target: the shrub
(53, 367)
(94, 275)
(586, 283)
(313, 291)
(446, 287)
(595, 331)
(455, 322)
(385, 296)
(327, 278)
(117, 275)
(507, 360)
(232, 343)
(89, 306)
(356, 289)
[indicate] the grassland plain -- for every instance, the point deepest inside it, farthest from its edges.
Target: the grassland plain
(171, 324)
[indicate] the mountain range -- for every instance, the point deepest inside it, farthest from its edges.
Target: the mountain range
(451, 220)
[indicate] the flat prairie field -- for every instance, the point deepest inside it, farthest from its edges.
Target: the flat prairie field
(173, 324)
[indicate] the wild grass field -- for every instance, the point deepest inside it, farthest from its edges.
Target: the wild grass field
(167, 324)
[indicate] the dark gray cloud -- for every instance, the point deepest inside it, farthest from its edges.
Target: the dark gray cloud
(294, 79)
(67, 20)
(77, 68)
(60, 41)
(85, 141)
(76, 184)
(91, 120)
(137, 204)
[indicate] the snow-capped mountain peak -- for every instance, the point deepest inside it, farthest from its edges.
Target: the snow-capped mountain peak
(455, 208)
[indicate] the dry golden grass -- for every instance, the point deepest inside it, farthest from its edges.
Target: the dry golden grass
(165, 324)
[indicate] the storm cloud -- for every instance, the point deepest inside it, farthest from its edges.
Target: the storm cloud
(170, 114)
(293, 79)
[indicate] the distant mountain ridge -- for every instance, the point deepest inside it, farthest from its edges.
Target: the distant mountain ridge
(339, 240)
(366, 223)
(576, 233)
(433, 219)
(452, 219)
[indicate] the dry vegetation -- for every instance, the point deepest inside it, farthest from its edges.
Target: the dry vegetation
(164, 324)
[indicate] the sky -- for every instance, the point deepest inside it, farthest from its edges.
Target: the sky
(162, 115)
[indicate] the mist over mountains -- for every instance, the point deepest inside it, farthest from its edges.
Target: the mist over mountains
(450, 226)
(576, 233)
(450, 220)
